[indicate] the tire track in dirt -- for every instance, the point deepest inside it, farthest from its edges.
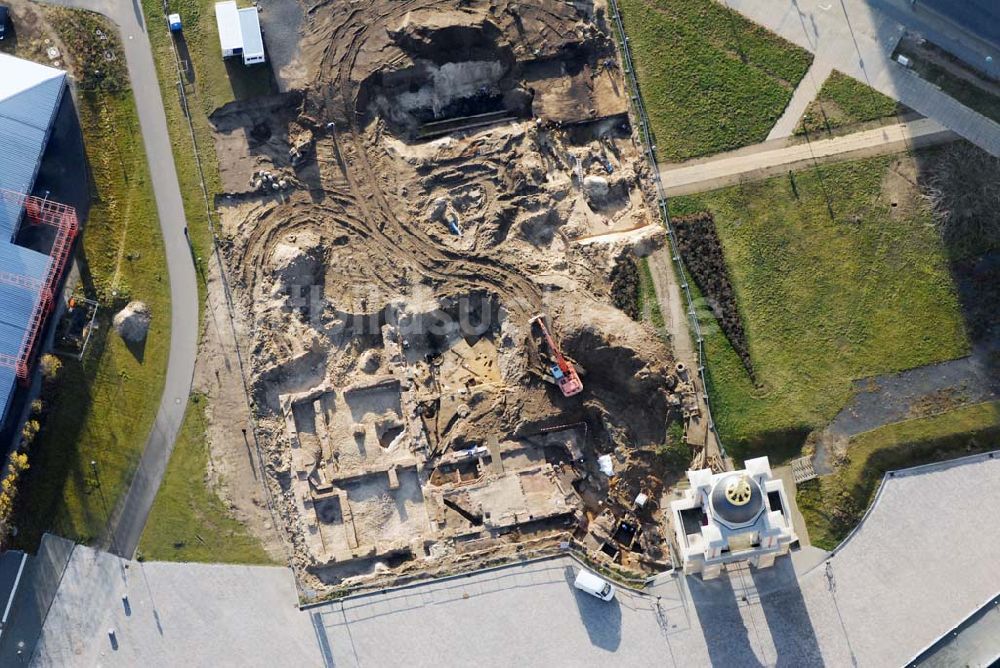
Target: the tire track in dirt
(452, 269)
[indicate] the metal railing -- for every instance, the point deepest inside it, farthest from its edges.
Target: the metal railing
(649, 147)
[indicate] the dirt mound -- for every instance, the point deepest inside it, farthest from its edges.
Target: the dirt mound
(297, 260)
(627, 368)
(132, 322)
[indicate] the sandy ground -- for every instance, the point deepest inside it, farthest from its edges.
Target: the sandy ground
(233, 466)
(434, 176)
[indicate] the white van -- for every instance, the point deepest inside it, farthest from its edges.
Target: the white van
(593, 585)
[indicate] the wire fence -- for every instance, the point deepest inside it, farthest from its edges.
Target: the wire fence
(649, 149)
(227, 292)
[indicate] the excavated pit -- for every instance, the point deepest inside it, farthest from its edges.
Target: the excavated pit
(448, 172)
(463, 77)
(457, 73)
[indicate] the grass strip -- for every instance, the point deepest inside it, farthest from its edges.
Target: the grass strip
(843, 101)
(711, 79)
(833, 505)
(189, 522)
(826, 299)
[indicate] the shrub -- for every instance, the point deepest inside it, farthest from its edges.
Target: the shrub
(702, 252)
(625, 286)
(675, 453)
(30, 430)
(50, 365)
(963, 188)
(17, 464)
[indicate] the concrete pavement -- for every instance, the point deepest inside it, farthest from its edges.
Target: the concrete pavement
(762, 161)
(921, 561)
(858, 38)
(805, 92)
(129, 516)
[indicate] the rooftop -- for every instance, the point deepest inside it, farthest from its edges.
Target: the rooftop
(29, 98)
(30, 95)
(253, 41)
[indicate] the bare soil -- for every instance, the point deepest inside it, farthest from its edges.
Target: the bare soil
(435, 175)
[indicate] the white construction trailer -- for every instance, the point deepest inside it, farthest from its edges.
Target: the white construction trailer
(239, 32)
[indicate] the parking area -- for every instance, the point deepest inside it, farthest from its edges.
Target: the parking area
(528, 614)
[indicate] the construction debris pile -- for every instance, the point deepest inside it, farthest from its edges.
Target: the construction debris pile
(444, 173)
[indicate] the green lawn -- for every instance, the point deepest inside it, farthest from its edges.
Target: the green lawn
(101, 409)
(824, 301)
(189, 522)
(711, 80)
(832, 505)
(649, 304)
(845, 101)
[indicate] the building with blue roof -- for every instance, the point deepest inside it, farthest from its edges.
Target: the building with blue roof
(30, 96)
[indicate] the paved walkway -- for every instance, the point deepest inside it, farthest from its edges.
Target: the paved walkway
(129, 517)
(762, 161)
(856, 38)
(805, 93)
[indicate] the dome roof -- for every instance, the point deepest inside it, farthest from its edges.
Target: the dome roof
(737, 499)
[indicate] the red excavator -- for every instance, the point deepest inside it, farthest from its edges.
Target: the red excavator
(564, 373)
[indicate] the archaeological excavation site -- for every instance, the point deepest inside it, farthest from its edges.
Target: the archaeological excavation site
(420, 232)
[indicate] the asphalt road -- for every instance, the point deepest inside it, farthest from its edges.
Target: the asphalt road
(761, 161)
(129, 516)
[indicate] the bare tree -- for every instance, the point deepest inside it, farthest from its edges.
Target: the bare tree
(963, 188)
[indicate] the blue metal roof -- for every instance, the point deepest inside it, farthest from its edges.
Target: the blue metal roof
(17, 304)
(29, 99)
(23, 261)
(10, 344)
(7, 382)
(30, 95)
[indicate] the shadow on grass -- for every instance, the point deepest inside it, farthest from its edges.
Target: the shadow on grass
(137, 348)
(960, 178)
(55, 456)
(250, 81)
(59, 176)
(184, 53)
(780, 445)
